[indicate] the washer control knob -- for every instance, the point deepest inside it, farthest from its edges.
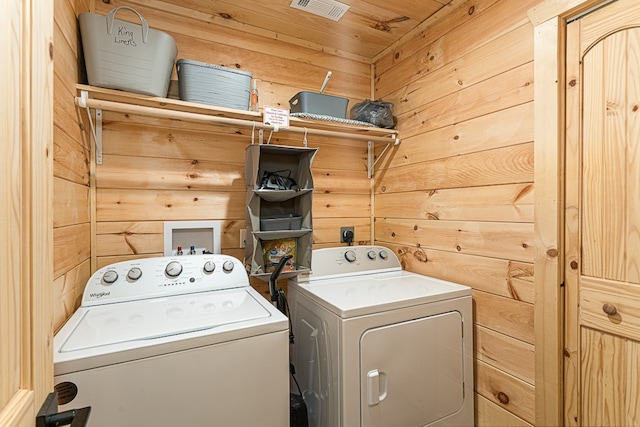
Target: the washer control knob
(227, 267)
(350, 255)
(371, 255)
(209, 266)
(383, 254)
(109, 277)
(134, 274)
(173, 269)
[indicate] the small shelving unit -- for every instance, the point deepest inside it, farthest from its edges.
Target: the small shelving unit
(101, 99)
(294, 162)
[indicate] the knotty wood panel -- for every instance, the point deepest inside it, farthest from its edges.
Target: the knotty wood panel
(129, 238)
(610, 162)
(71, 159)
(71, 204)
(67, 291)
(505, 353)
(70, 248)
(26, 213)
(511, 126)
(488, 414)
(492, 167)
(501, 240)
(163, 174)
(504, 315)
(170, 174)
(514, 395)
(497, 203)
(611, 402)
(71, 234)
(596, 292)
(505, 278)
(492, 21)
(495, 93)
(411, 48)
(125, 135)
(162, 205)
(340, 205)
(498, 56)
(70, 120)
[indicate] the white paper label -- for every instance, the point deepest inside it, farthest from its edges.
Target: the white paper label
(278, 117)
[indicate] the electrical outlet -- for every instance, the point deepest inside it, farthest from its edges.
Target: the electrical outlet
(243, 237)
(345, 232)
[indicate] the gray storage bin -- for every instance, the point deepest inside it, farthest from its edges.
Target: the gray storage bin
(213, 84)
(126, 56)
(319, 103)
(281, 222)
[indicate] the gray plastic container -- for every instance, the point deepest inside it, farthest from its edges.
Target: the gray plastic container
(283, 222)
(319, 103)
(213, 84)
(126, 56)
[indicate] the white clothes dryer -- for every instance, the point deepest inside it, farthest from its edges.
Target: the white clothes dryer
(174, 341)
(379, 346)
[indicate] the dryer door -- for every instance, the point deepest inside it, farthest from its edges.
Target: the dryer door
(412, 373)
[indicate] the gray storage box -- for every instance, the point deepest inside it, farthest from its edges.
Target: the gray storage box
(282, 222)
(319, 103)
(126, 56)
(213, 84)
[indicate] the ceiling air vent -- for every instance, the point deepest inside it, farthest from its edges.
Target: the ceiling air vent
(330, 9)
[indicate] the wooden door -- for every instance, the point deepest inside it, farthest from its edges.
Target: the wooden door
(603, 217)
(26, 227)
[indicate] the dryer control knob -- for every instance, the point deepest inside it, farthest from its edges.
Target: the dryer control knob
(383, 254)
(209, 266)
(371, 255)
(109, 277)
(350, 255)
(134, 274)
(227, 267)
(173, 269)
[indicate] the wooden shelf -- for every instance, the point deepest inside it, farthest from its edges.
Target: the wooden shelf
(127, 102)
(149, 106)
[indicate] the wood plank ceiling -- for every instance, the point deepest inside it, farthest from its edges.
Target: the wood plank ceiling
(365, 30)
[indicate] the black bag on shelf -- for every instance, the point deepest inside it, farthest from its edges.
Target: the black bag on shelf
(377, 113)
(275, 181)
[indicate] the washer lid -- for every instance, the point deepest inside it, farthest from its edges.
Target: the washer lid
(373, 293)
(161, 317)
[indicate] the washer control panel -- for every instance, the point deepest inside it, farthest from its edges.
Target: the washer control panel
(163, 276)
(350, 260)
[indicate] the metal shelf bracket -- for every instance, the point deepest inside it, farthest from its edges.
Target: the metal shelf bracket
(371, 163)
(96, 130)
(87, 102)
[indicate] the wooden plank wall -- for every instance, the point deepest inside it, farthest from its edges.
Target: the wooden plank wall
(164, 170)
(455, 199)
(71, 222)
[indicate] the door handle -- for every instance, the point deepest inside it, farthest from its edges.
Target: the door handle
(376, 387)
(48, 415)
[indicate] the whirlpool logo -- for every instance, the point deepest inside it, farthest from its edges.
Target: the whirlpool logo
(99, 294)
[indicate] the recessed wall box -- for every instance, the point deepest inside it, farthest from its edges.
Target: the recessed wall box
(204, 235)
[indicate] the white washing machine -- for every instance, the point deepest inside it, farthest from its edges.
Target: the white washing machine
(174, 341)
(379, 346)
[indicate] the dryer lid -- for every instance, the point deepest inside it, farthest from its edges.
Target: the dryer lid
(161, 317)
(373, 293)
